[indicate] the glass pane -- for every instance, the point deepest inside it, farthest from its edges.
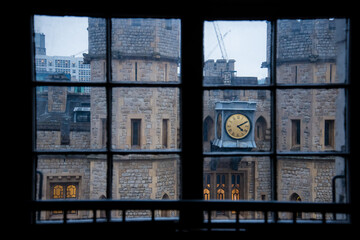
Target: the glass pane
(237, 178)
(67, 119)
(309, 179)
(311, 51)
(311, 120)
(145, 50)
(145, 177)
(68, 49)
(146, 118)
(236, 120)
(235, 53)
(72, 177)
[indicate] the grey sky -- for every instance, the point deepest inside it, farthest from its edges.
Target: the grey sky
(245, 41)
(64, 36)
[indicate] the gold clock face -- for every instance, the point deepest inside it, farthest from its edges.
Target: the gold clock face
(237, 126)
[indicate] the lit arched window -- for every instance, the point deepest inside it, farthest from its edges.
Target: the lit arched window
(58, 192)
(71, 191)
(206, 194)
(235, 194)
(64, 191)
(220, 194)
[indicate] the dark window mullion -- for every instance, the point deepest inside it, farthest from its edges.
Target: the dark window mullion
(273, 159)
(109, 179)
(191, 97)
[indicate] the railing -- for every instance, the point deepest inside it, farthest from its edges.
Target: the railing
(267, 210)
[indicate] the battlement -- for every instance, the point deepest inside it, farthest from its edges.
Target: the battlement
(216, 69)
(222, 72)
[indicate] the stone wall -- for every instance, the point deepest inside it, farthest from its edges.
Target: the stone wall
(307, 40)
(151, 106)
(134, 38)
(308, 177)
(52, 140)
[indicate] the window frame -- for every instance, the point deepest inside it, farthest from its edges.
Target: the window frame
(295, 133)
(192, 141)
(135, 133)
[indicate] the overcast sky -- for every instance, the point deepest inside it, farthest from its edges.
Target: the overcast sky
(244, 41)
(64, 36)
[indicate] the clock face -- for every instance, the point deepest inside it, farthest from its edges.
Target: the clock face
(237, 126)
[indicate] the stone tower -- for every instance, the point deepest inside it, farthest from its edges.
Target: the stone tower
(143, 50)
(310, 52)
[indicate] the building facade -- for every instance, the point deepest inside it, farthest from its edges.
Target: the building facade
(148, 50)
(307, 120)
(46, 65)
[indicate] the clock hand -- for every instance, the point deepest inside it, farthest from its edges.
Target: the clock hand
(243, 123)
(239, 126)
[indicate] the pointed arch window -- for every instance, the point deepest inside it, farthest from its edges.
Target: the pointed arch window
(296, 198)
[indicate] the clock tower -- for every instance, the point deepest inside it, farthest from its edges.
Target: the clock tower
(234, 128)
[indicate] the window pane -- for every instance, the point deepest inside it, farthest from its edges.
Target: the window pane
(145, 50)
(145, 118)
(311, 51)
(235, 53)
(237, 120)
(72, 177)
(311, 120)
(310, 178)
(64, 48)
(67, 119)
(145, 177)
(237, 178)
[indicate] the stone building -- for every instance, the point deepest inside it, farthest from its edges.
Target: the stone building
(308, 120)
(148, 118)
(144, 50)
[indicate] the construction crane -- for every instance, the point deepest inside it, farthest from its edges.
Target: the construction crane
(220, 39)
(83, 51)
(214, 47)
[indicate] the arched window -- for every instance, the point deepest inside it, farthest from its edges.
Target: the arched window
(165, 197)
(64, 191)
(71, 191)
(58, 192)
(296, 198)
(102, 212)
(220, 194)
(165, 213)
(260, 128)
(207, 184)
(235, 194)
(208, 129)
(206, 194)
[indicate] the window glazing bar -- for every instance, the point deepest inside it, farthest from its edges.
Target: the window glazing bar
(278, 154)
(273, 159)
(103, 84)
(105, 151)
(278, 86)
(109, 114)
